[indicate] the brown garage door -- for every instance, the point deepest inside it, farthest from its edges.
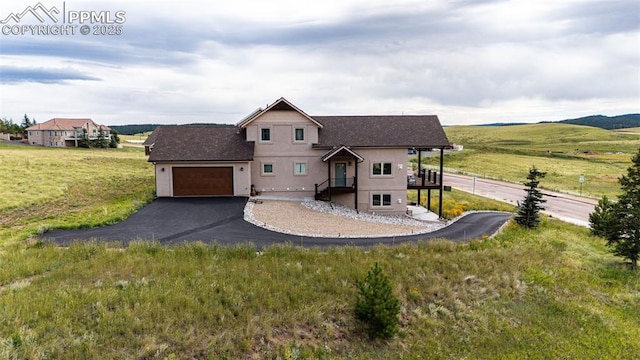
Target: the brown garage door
(202, 181)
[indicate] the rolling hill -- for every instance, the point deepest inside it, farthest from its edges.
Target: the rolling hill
(607, 122)
(544, 136)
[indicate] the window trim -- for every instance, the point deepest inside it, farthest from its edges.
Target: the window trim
(381, 200)
(295, 134)
(261, 137)
(262, 169)
(382, 167)
(295, 168)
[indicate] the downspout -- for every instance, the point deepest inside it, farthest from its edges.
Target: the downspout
(355, 184)
(419, 171)
(155, 178)
(329, 181)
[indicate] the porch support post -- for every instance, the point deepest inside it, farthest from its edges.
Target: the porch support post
(419, 171)
(429, 199)
(441, 186)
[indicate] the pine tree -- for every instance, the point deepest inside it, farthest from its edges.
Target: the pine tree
(102, 142)
(529, 209)
(619, 223)
(26, 122)
(603, 219)
(115, 139)
(376, 305)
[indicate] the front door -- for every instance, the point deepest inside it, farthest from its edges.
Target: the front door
(341, 174)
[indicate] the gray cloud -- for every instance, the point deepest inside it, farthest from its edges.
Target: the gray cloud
(601, 17)
(12, 75)
(463, 54)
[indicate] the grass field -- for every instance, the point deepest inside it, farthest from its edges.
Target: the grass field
(565, 152)
(552, 293)
(42, 188)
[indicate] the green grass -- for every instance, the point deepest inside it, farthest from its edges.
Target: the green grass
(43, 188)
(507, 153)
(553, 293)
(456, 202)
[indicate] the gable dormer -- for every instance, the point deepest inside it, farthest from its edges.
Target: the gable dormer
(280, 123)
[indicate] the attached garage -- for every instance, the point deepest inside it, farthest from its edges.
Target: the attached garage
(202, 181)
(200, 160)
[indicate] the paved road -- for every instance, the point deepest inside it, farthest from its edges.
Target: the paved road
(569, 208)
(220, 220)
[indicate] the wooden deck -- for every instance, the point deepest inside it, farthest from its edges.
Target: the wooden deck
(419, 184)
(425, 180)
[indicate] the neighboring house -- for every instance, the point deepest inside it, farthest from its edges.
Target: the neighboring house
(357, 161)
(61, 132)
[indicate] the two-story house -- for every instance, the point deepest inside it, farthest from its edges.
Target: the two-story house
(60, 132)
(357, 161)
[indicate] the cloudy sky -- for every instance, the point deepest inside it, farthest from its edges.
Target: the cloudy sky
(469, 62)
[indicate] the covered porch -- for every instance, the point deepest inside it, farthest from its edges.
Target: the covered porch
(342, 174)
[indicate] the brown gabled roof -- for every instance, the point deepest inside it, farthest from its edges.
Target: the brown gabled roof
(420, 131)
(60, 124)
(281, 104)
(199, 143)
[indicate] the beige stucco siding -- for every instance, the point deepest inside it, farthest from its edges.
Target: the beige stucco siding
(283, 180)
(241, 176)
(282, 151)
(394, 185)
(36, 137)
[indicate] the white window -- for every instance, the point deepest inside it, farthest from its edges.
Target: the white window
(381, 168)
(265, 134)
(381, 200)
(298, 134)
(267, 169)
(300, 168)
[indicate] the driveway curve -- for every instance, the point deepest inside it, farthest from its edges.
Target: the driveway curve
(220, 220)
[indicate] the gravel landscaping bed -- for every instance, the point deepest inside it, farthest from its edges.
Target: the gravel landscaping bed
(320, 219)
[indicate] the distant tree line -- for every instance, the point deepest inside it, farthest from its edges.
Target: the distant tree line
(7, 126)
(143, 128)
(133, 129)
(599, 121)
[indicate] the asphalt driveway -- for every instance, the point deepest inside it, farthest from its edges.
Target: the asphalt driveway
(220, 220)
